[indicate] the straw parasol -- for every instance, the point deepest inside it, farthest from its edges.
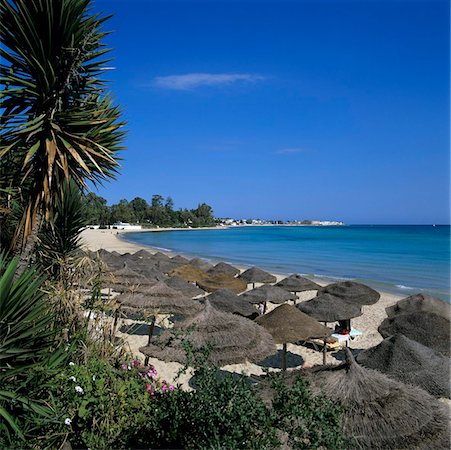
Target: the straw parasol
(268, 293)
(158, 299)
(113, 261)
(427, 328)
(141, 254)
(200, 264)
(180, 260)
(188, 289)
(256, 275)
(126, 278)
(228, 301)
(223, 268)
(213, 283)
(381, 413)
(409, 361)
(188, 273)
(232, 339)
(158, 256)
(295, 283)
(287, 324)
(420, 302)
(352, 292)
(146, 269)
(328, 308)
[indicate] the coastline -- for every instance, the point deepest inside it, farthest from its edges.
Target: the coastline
(368, 323)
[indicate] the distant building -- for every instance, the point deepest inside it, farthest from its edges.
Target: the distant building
(125, 226)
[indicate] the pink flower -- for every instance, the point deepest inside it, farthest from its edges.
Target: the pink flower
(164, 388)
(124, 366)
(136, 363)
(171, 388)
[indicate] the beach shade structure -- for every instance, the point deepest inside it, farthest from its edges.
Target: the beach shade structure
(188, 273)
(427, 328)
(147, 269)
(113, 261)
(180, 260)
(268, 293)
(223, 268)
(256, 275)
(158, 299)
(166, 266)
(158, 256)
(232, 339)
(328, 308)
(200, 264)
(287, 324)
(227, 301)
(142, 254)
(212, 283)
(352, 292)
(126, 278)
(296, 283)
(187, 289)
(409, 361)
(378, 412)
(420, 302)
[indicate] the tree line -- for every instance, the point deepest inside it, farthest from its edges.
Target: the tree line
(160, 212)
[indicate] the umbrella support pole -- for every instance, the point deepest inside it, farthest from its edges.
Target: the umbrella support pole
(284, 357)
(116, 318)
(325, 347)
(151, 328)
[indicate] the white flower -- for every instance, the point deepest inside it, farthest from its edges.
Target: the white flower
(93, 378)
(79, 389)
(67, 421)
(73, 379)
(71, 364)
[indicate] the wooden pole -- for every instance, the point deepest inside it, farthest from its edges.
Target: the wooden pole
(151, 328)
(325, 347)
(284, 357)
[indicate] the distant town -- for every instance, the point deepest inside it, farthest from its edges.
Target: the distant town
(240, 222)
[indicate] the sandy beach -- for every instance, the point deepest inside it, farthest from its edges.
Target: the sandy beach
(136, 337)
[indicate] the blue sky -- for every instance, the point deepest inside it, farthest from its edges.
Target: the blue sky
(285, 109)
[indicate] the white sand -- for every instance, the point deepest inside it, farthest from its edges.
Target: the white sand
(372, 316)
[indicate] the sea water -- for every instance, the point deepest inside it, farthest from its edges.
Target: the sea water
(401, 259)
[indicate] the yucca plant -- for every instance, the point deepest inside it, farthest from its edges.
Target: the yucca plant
(59, 239)
(57, 118)
(26, 325)
(27, 337)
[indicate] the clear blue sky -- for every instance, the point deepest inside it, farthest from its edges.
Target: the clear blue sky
(292, 110)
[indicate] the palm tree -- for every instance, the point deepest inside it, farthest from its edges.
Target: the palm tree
(58, 121)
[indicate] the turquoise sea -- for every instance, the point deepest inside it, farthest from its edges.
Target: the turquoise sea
(401, 259)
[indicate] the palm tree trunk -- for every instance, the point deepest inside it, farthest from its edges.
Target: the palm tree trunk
(25, 252)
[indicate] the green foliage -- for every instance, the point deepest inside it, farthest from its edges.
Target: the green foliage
(59, 239)
(57, 119)
(96, 209)
(310, 422)
(26, 334)
(27, 339)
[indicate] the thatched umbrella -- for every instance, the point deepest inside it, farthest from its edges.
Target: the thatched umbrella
(142, 254)
(427, 328)
(112, 260)
(147, 269)
(228, 301)
(295, 283)
(158, 256)
(158, 299)
(223, 268)
(188, 273)
(268, 293)
(420, 302)
(126, 278)
(201, 264)
(409, 361)
(328, 308)
(188, 289)
(213, 283)
(232, 339)
(352, 292)
(180, 260)
(381, 413)
(256, 275)
(287, 324)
